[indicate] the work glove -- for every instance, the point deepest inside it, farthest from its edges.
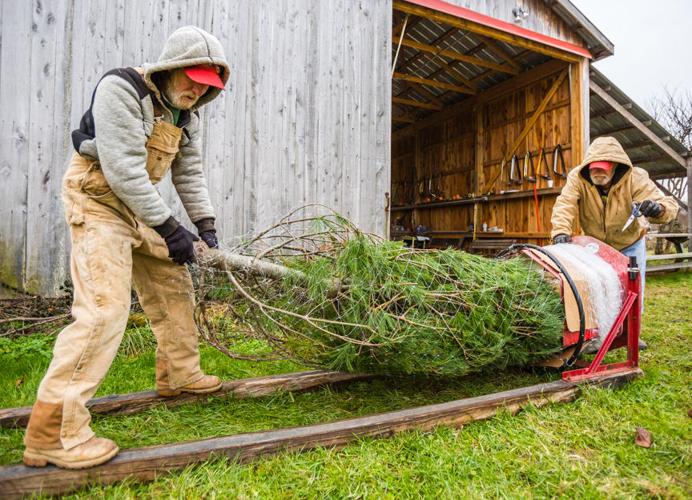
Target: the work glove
(207, 232)
(178, 240)
(562, 238)
(650, 208)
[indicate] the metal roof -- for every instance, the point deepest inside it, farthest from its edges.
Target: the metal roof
(597, 43)
(435, 66)
(613, 113)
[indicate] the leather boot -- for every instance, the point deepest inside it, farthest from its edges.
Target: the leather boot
(208, 383)
(94, 452)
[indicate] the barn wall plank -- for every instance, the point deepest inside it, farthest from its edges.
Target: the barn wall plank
(49, 148)
(15, 54)
(305, 118)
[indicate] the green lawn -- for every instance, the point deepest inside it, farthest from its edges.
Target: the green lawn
(582, 449)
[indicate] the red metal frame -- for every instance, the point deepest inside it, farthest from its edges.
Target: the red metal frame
(491, 22)
(625, 330)
(630, 319)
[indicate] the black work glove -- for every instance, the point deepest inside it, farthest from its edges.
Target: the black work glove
(562, 238)
(178, 240)
(650, 208)
(207, 232)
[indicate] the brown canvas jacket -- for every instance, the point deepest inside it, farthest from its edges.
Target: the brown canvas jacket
(580, 198)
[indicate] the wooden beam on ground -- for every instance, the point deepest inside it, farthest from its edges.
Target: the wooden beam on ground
(126, 404)
(416, 104)
(456, 56)
(595, 88)
(144, 464)
(486, 31)
(433, 83)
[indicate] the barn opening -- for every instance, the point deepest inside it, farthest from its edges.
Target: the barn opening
(487, 118)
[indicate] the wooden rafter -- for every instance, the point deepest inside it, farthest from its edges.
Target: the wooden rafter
(416, 104)
(495, 48)
(434, 83)
(420, 53)
(412, 21)
(456, 56)
(633, 120)
(403, 119)
(611, 131)
(609, 111)
(479, 29)
(407, 86)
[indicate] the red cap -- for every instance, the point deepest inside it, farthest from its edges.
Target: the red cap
(604, 165)
(206, 75)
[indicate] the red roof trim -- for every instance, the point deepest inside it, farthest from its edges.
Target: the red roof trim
(476, 17)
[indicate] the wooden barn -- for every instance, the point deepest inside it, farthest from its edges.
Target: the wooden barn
(437, 122)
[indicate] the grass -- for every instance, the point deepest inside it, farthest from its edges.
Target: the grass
(583, 449)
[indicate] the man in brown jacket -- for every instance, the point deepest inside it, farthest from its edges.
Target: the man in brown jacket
(600, 192)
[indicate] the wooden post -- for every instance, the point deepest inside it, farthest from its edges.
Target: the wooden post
(579, 120)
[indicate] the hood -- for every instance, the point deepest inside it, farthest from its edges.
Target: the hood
(189, 46)
(606, 149)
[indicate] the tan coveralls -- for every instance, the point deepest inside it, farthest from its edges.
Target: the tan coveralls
(112, 250)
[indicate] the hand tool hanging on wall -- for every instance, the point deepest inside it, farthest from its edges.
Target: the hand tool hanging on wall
(529, 168)
(514, 171)
(543, 168)
(559, 162)
(501, 175)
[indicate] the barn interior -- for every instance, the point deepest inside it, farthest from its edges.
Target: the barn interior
(485, 125)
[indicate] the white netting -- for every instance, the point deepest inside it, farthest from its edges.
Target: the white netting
(603, 282)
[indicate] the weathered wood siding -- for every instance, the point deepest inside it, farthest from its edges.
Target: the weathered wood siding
(541, 18)
(305, 119)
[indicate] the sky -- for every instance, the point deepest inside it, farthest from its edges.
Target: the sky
(653, 44)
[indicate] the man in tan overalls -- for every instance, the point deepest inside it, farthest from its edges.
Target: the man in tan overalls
(141, 123)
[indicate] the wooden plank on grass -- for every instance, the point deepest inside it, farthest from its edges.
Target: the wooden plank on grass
(144, 464)
(125, 404)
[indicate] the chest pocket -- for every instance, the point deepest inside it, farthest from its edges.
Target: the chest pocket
(162, 146)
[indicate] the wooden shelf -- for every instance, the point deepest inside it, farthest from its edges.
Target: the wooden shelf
(480, 199)
(439, 233)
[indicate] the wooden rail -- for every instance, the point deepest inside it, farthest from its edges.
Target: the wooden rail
(669, 256)
(125, 404)
(144, 464)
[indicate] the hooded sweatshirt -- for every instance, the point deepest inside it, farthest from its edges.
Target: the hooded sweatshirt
(116, 128)
(602, 216)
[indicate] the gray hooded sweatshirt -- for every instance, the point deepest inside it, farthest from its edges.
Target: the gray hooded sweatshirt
(121, 118)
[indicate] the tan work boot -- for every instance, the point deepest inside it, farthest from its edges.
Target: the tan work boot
(94, 452)
(208, 383)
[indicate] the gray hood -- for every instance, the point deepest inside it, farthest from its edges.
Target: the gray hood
(189, 46)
